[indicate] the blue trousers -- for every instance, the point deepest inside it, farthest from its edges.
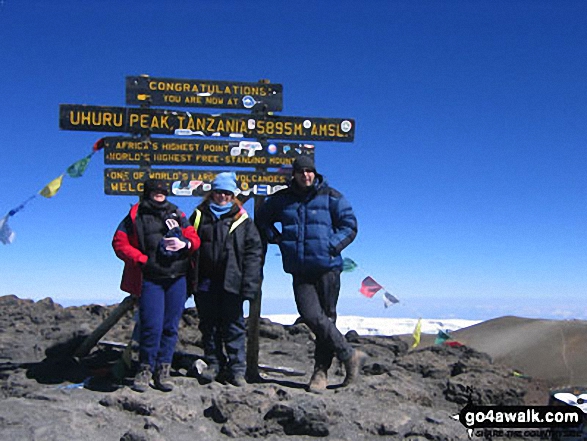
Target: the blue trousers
(160, 308)
(316, 298)
(222, 325)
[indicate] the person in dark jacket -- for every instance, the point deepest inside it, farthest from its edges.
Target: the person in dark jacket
(155, 242)
(317, 223)
(227, 271)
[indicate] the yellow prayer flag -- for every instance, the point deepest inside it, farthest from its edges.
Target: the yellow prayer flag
(416, 333)
(52, 187)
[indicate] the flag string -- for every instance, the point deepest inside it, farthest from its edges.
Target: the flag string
(75, 170)
(370, 287)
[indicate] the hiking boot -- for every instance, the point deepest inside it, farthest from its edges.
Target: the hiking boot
(319, 381)
(162, 377)
(142, 379)
(353, 366)
(208, 374)
(237, 380)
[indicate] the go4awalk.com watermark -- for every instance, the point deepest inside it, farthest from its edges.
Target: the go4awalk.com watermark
(521, 421)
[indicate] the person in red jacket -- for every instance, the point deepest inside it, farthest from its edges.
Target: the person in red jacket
(155, 241)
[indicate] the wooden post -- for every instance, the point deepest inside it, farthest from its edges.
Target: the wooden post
(84, 349)
(255, 311)
(253, 325)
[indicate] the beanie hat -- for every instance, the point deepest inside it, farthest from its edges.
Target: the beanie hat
(225, 181)
(155, 185)
(302, 162)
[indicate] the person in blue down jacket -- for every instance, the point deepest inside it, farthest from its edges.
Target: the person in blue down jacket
(226, 271)
(317, 223)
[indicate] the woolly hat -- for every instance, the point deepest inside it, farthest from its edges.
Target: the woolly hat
(302, 162)
(155, 185)
(224, 181)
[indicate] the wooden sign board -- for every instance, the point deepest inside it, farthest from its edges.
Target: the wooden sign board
(195, 152)
(170, 122)
(203, 93)
(129, 182)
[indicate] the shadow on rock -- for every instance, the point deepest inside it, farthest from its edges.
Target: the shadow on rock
(56, 370)
(60, 366)
(283, 383)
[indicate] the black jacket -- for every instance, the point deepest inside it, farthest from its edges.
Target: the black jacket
(230, 251)
(151, 228)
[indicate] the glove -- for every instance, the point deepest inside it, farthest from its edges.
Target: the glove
(171, 224)
(173, 244)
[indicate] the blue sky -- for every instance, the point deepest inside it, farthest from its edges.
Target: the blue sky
(467, 173)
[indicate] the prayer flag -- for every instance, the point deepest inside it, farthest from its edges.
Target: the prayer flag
(417, 332)
(453, 344)
(441, 337)
(348, 265)
(52, 187)
(77, 169)
(389, 300)
(98, 145)
(21, 206)
(6, 234)
(369, 287)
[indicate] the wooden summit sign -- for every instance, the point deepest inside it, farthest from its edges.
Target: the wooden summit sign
(195, 152)
(169, 122)
(203, 93)
(189, 182)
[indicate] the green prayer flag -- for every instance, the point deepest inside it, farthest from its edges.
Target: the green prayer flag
(77, 169)
(348, 265)
(441, 337)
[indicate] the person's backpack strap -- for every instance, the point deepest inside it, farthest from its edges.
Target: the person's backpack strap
(197, 219)
(235, 224)
(239, 221)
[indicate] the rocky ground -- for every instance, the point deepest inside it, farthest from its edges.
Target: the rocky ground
(403, 394)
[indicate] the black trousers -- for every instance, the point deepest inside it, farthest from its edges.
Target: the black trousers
(223, 327)
(316, 298)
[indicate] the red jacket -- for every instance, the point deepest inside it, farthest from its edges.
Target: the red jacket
(126, 246)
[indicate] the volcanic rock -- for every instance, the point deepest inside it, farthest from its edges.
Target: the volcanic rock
(403, 394)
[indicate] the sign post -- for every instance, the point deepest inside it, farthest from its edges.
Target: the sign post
(253, 321)
(197, 152)
(204, 93)
(176, 122)
(189, 182)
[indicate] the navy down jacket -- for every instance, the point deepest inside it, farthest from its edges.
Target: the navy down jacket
(315, 226)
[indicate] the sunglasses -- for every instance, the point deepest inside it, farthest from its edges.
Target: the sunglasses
(304, 170)
(224, 192)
